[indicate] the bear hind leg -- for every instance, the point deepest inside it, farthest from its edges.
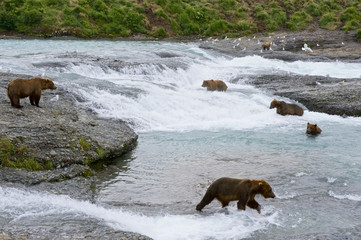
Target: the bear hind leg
(31, 98)
(15, 102)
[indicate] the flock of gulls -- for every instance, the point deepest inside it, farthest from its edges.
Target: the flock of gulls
(237, 43)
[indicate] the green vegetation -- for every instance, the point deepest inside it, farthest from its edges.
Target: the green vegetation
(173, 18)
(16, 157)
(84, 145)
(358, 34)
(100, 152)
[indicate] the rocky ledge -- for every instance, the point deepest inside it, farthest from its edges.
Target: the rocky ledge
(60, 135)
(319, 94)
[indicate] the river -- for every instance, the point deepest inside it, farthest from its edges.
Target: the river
(189, 137)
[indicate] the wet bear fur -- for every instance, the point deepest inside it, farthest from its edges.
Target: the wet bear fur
(286, 108)
(215, 85)
(242, 190)
(22, 88)
(266, 45)
(313, 129)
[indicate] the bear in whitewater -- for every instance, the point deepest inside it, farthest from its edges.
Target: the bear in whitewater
(313, 129)
(231, 189)
(284, 108)
(215, 85)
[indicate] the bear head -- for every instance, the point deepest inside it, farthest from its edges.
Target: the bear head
(265, 189)
(205, 83)
(47, 83)
(313, 129)
(275, 103)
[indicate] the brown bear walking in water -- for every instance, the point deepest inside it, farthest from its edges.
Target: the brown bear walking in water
(266, 45)
(21, 88)
(231, 189)
(313, 129)
(215, 85)
(286, 108)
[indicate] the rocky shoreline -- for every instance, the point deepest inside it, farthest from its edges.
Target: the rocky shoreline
(317, 93)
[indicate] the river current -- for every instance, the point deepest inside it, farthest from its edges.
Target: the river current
(189, 137)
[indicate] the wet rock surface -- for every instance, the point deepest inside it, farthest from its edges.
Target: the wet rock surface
(319, 94)
(61, 131)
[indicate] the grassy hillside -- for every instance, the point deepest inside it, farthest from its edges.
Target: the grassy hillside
(174, 18)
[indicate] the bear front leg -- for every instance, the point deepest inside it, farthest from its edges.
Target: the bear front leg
(37, 99)
(224, 204)
(241, 205)
(255, 205)
(207, 199)
(243, 199)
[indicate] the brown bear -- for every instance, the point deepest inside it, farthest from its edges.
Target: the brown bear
(21, 88)
(286, 108)
(231, 189)
(313, 129)
(266, 45)
(215, 85)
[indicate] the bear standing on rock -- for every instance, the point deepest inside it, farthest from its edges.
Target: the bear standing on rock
(286, 108)
(215, 85)
(21, 88)
(313, 129)
(232, 189)
(266, 45)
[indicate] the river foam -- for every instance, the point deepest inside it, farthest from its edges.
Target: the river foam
(20, 205)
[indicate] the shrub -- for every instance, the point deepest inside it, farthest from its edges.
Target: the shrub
(328, 21)
(162, 14)
(8, 20)
(244, 26)
(358, 34)
(227, 4)
(350, 13)
(135, 22)
(114, 29)
(217, 27)
(188, 27)
(313, 9)
(351, 17)
(351, 25)
(55, 3)
(160, 33)
(174, 8)
(99, 6)
(299, 20)
(31, 17)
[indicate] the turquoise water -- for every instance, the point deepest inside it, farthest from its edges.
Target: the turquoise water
(189, 137)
